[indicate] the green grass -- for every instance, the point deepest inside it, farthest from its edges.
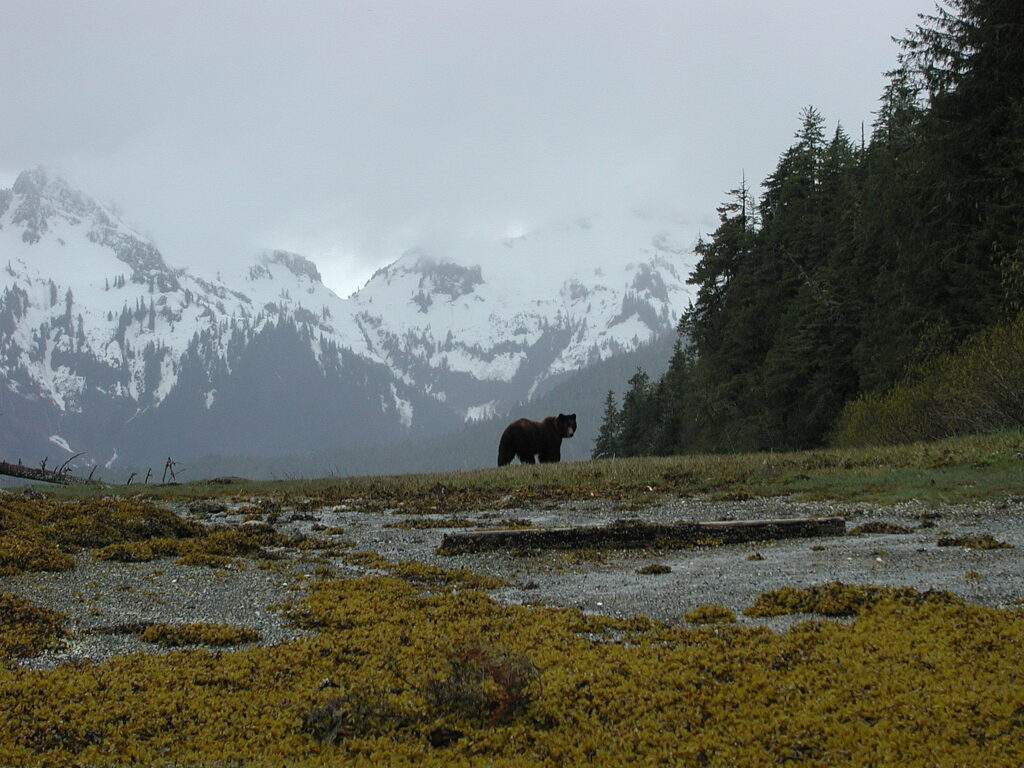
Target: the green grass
(953, 470)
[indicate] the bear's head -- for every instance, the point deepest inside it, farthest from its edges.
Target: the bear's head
(567, 424)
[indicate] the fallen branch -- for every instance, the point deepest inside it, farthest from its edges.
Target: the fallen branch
(63, 468)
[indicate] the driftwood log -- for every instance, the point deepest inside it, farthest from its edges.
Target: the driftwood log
(631, 535)
(61, 476)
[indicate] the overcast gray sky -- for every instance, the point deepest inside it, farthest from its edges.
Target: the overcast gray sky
(351, 130)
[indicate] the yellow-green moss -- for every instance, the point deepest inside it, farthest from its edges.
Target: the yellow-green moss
(199, 633)
(205, 560)
(423, 574)
(710, 614)
(445, 578)
(140, 551)
(366, 560)
(879, 526)
(27, 629)
(838, 599)
(984, 541)
(38, 534)
(30, 552)
(246, 540)
(898, 685)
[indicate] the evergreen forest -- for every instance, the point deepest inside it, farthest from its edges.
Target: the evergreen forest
(846, 299)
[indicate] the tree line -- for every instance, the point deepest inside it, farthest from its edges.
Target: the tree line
(859, 261)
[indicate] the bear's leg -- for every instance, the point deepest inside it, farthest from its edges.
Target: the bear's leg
(551, 455)
(526, 458)
(505, 454)
(506, 448)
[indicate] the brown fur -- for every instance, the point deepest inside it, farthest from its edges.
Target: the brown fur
(527, 439)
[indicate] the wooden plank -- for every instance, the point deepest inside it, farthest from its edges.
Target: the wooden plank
(630, 534)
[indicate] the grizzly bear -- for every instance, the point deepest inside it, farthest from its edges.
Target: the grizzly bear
(525, 438)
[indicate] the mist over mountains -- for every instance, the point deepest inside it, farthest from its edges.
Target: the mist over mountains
(109, 351)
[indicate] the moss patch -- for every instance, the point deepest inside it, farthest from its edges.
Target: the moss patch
(838, 599)
(26, 629)
(199, 633)
(881, 526)
(404, 678)
(40, 534)
(710, 614)
(985, 541)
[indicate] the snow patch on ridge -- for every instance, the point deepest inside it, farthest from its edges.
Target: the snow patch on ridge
(87, 305)
(60, 441)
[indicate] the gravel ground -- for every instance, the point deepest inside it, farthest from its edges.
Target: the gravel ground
(98, 595)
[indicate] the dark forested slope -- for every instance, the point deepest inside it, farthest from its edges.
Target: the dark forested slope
(860, 260)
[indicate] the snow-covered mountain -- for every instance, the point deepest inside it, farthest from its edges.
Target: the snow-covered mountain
(108, 350)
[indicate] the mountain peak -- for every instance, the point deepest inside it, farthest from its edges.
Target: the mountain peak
(39, 195)
(42, 204)
(295, 263)
(34, 182)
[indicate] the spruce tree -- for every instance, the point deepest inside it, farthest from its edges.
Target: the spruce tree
(606, 445)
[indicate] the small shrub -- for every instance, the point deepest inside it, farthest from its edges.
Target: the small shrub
(977, 388)
(464, 692)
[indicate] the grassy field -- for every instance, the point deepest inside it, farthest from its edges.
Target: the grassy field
(948, 471)
(399, 669)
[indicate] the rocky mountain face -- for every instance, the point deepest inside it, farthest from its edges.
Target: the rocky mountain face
(107, 350)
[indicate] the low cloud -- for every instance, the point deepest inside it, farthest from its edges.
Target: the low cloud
(350, 132)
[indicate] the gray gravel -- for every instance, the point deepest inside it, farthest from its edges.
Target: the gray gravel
(724, 574)
(97, 595)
